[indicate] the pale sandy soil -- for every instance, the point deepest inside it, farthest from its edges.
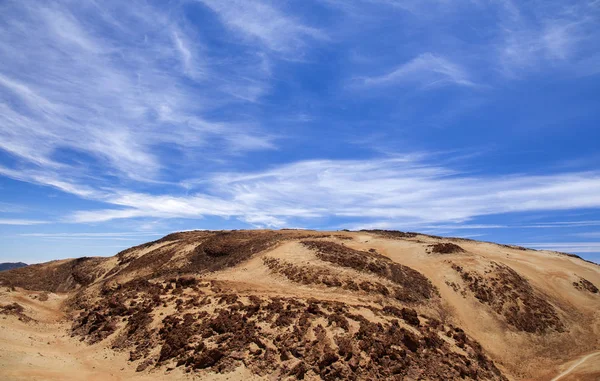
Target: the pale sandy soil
(586, 368)
(547, 271)
(44, 350)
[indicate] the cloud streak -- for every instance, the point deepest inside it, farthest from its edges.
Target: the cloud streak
(555, 35)
(402, 190)
(566, 247)
(151, 114)
(75, 96)
(426, 70)
(113, 236)
(22, 222)
(259, 21)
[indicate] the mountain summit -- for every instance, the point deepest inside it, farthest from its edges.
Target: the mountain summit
(297, 304)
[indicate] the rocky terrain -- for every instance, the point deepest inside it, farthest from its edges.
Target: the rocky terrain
(296, 304)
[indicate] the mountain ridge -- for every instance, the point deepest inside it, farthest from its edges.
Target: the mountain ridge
(367, 304)
(11, 265)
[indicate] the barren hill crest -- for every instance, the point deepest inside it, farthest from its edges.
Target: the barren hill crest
(298, 304)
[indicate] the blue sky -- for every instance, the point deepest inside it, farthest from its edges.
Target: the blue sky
(123, 121)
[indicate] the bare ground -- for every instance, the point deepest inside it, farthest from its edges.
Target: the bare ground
(299, 304)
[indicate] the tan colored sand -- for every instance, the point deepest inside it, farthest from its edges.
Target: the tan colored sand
(45, 351)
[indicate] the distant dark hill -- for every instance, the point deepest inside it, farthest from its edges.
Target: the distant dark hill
(10, 266)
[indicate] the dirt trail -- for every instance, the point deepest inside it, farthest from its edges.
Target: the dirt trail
(574, 366)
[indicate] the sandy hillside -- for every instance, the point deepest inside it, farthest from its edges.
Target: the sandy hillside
(295, 304)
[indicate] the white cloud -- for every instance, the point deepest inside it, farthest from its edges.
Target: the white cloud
(551, 36)
(258, 21)
(107, 85)
(529, 48)
(465, 227)
(186, 54)
(419, 8)
(564, 224)
(426, 70)
(11, 208)
(119, 236)
(515, 38)
(15, 221)
(96, 96)
(425, 226)
(408, 191)
(189, 53)
(52, 179)
(568, 247)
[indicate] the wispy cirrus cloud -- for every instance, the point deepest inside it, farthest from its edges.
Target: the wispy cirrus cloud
(11, 208)
(517, 39)
(123, 236)
(260, 21)
(422, 9)
(548, 36)
(426, 70)
(152, 113)
(540, 225)
(569, 247)
(21, 222)
(110, 86)
(410, 190)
